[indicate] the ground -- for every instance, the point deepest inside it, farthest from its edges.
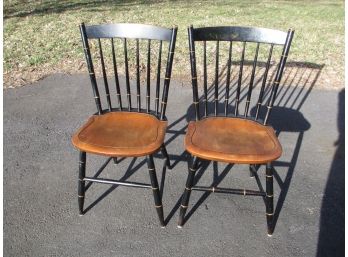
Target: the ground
(42, 37)
(40, 182)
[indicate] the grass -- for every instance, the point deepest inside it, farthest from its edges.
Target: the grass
(42, 37)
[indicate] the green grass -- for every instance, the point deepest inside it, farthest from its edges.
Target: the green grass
(43, 36)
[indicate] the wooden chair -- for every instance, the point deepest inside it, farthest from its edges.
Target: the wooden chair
(230, 136)
(119, 131)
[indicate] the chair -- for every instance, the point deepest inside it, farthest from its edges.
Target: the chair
(124, 130)
(225, 134)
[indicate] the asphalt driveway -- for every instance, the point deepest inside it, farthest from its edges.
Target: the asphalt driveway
(40, 183)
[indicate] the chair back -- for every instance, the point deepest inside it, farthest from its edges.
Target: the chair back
(104, 39)
(240, 38)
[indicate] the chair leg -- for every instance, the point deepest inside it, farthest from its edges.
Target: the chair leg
(81, 182)
(115, 160)
(155, 189)
(269, 198)
(165, 153)
(187, 192)
(252, 170)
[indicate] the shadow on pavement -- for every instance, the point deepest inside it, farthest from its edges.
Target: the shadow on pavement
(297, 84)
(331, 234)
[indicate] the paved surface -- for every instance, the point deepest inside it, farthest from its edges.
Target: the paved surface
(40, 183)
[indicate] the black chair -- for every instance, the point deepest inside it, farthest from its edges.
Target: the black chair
(122, 130)
(223, 132)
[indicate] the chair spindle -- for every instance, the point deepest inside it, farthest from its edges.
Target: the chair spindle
(264, 80)
(148, 74)
(239, 80)
(251, 84)
(205, 78)
(127, 74)
(106, 84)
(158, 77)
(138, 76)
(227, 94)
(216, 91)
(118, 91)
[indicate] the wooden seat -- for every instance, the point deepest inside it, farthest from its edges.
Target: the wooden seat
(121, 134)
(232, 140)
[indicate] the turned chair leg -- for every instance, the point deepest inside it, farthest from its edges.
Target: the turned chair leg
(81, 182)
(187, 192)
(269, 198)
(252, 170)
(155, 189)
(165, 153)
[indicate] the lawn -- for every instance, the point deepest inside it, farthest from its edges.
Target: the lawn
(42, 37)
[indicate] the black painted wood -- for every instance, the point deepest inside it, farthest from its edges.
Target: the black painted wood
(158, 81)
(148, 76)
(193, 72)
(129, 96)
(128, 30)
(251, 84)
(227, 90)
(90, 68)
(205, 78)
(240, 80)
(81, 182)
(244, 34)
(117, 83)
(269, 198)
(170, 59)
(279, 74)
(187, 192)
(155, 189)
(264, 80)
(106, 84)
(138, 75)
(216, 91)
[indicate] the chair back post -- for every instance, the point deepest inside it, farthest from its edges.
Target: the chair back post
(90, 68)
(193, 71)
(168, 72)
(279, 74)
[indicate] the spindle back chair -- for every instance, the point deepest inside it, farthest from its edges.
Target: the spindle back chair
(225, 133)
(122, 129)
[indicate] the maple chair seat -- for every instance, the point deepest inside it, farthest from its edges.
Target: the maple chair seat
(121, 134)
(232, 140)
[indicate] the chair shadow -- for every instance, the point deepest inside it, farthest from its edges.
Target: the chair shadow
(331, 234)
(130, 171)
(298, 82)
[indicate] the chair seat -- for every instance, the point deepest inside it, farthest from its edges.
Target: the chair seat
(232, 140)
(121, 134)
